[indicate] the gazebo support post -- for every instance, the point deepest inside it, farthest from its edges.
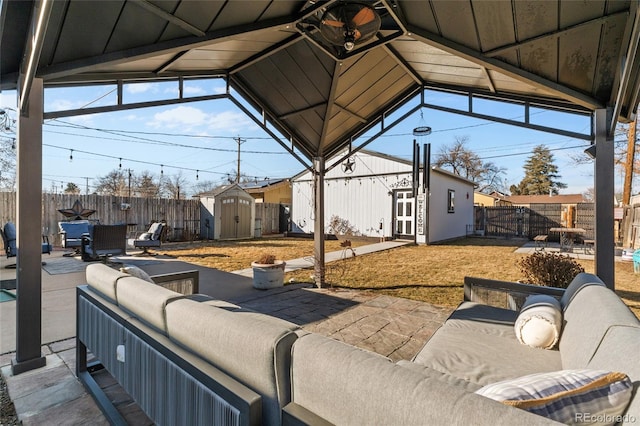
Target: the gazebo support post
(318, 223)
(29, 228)
(604, 190)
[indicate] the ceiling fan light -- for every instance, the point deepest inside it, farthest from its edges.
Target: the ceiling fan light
(349, 41)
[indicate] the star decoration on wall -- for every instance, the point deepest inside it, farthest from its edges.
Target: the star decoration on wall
(348, 166)
(77, 212)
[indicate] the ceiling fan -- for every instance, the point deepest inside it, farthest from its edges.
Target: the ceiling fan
(347, 24)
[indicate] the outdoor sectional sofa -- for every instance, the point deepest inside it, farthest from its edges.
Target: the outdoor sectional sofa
(189, 359)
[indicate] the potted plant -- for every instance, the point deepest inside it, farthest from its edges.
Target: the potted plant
(268, 272)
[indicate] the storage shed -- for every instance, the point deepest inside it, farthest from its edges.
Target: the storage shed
(372, 192)
(227, 213)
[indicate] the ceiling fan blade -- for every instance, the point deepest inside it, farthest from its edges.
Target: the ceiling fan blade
(365, 16)
(331, 23)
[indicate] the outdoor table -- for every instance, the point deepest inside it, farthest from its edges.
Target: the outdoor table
(567, 236)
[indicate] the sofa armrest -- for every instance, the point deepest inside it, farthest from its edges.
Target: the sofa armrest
(503, 294)
(186, 282)
(296, 415)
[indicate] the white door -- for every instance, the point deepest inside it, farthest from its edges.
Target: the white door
(404, 205)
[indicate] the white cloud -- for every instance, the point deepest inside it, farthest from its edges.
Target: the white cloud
(8, 100)
(136, 88)
(179, 117)
(231, 121)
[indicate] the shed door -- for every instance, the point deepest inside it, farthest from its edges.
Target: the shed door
(244, 216)
(236, 218)
(403, 207)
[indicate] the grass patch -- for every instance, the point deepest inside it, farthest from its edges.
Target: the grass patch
(433, 273)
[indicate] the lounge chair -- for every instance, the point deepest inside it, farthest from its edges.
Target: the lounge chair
(10, 247)
(71, 233)
(104, 241)
(151, 238)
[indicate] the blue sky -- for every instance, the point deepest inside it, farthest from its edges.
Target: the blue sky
(163, 136)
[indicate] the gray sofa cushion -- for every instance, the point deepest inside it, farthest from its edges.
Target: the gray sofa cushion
(145, 300)
(591, 312)
(253, 348)
(445, 378)
(346, 385)
(103, 279)
(619, 351)
(484, 319)
(483, 358)
(581, 280)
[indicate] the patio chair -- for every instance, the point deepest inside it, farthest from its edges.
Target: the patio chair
(71, 233)
(104, 241)
(8, 234)
(151, 238)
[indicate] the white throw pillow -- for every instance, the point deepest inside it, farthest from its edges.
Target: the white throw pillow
(539, 322)
(594, 397)
(136, 272)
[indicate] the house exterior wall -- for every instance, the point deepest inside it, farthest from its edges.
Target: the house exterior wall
(445, 225)
(279, 195)
(483, 200)
(365, 198)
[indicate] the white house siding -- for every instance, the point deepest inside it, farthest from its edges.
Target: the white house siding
(361, 197)
(365, 198)
(442, 224)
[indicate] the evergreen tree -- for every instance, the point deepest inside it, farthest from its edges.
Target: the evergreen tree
(540, 175)
(72, 188)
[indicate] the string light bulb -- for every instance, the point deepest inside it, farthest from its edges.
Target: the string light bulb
(71, 156)
(197, 174)
(120, 164)
(162, 169)
(13, 144)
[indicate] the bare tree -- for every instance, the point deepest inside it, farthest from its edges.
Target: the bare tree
(147, 186)
(114, 183)
(460, 160)
(175, 186)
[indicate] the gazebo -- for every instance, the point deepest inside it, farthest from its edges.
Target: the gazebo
(320, 74)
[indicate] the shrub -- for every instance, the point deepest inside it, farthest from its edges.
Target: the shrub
(267, 259)
(549, 269)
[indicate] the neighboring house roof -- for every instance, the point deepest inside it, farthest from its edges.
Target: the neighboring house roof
(219, 190)
(546, 199)
(261, 185)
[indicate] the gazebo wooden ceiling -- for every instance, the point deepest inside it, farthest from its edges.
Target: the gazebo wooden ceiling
(567, 53)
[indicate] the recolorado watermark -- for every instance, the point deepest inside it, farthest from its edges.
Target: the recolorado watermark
(604, 418)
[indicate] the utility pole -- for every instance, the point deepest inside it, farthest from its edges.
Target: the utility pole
(240, 142)
(628, 166)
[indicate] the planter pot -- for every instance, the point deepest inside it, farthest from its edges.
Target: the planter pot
(268, 275)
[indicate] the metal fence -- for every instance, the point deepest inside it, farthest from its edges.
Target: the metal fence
(537, 219)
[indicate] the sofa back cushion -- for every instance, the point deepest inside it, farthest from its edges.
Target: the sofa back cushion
(253, 348)
(104, 279)
(592, 311)
(581, 280)
(146, 301)
(347, 385)
(619, 351)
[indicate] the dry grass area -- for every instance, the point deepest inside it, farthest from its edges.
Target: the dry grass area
(432, 273)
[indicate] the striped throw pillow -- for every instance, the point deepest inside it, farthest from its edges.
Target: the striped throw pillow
(594, 397)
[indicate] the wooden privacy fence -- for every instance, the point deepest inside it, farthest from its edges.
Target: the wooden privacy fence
(537, 219)
(269, 216)
(182, 216)
(631, 226)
